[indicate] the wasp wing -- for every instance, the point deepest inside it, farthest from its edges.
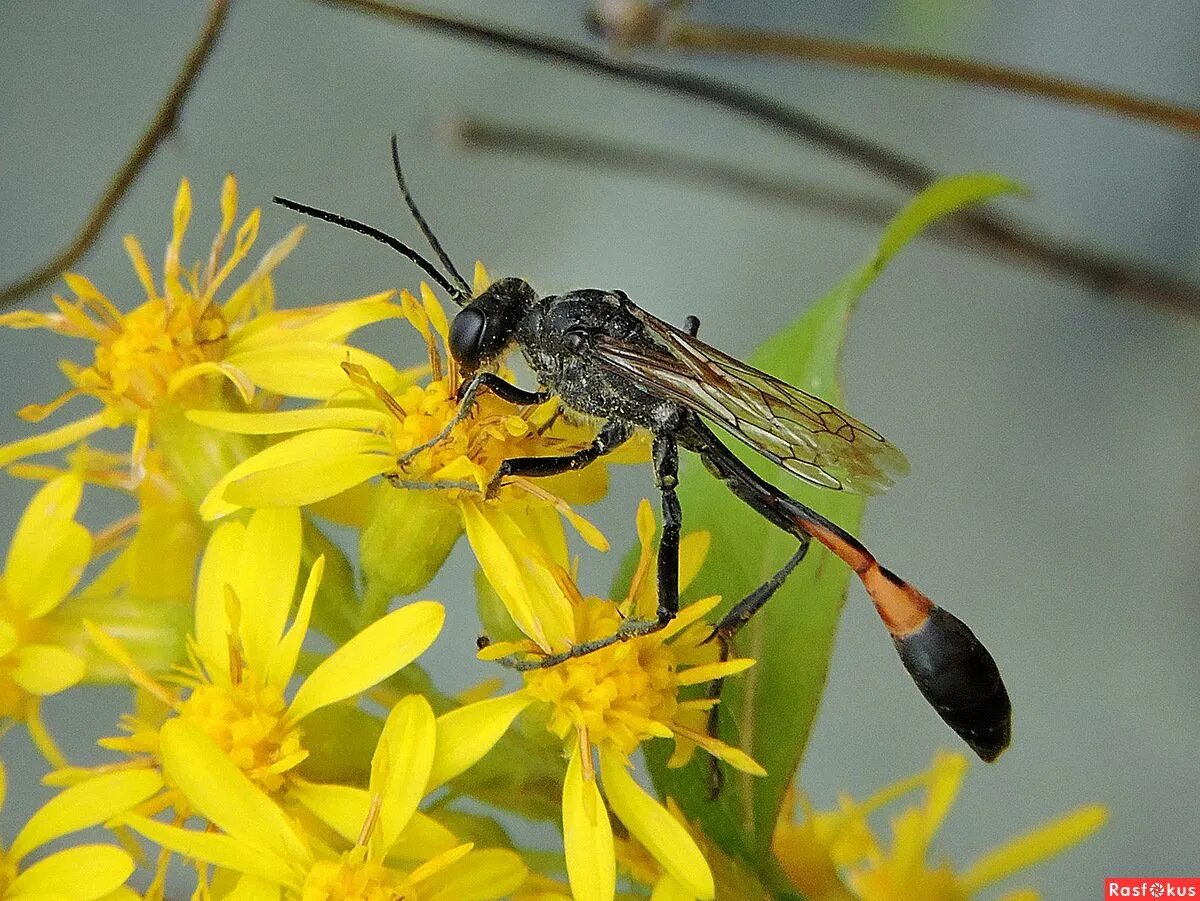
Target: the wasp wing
(802, 433)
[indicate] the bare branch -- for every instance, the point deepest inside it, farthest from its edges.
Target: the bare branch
(595, 151)
(1003, 234)
(647, 24)
(161, 126)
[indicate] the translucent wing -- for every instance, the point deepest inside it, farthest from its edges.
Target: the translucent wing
(802, 433)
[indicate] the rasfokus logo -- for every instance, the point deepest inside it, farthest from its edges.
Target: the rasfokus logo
(1152, 887)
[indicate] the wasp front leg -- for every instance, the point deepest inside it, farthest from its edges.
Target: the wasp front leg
(478, 382)
(611, 436)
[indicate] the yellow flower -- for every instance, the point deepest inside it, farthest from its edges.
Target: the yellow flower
(610, 701)
(395, 851)
(144, 595)
(161, 357)
(83, 873)
(46, 558)
(835, 855)
(243, 658)
(367, 427)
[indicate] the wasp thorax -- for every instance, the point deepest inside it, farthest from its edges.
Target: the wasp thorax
(486, 326)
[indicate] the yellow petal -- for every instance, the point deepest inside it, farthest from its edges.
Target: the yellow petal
(283, 658)
(329, 323)
(382, 648)
(652, 825)
(481, 278)
(84, 873)
(735, 757)
(587, 836)
(465, 735)
(400, 767)
(218, 568)
(1024, 894)
(308, 481)
(691, 613)
(423, 838)
(266, 583)
(84, 805)
(694, 675)
(945, 779)
(344, 809)
(3, 783)
(693, 548)
(236, 377)
(435, 311)
(53, 440)
(667, 889)
(285, 421)
(46, 669)
(479, 876)
(137, 257)
(49, 549)
(255, 294)
(341, 807)
(310, 369)
(298, 450)
(223, 851)
(524, 582)
(1033, 847)
(251, 888)
(214, 785)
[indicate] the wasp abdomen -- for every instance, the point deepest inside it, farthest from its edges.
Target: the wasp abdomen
(957, 675)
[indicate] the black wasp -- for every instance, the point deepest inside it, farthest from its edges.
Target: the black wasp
(605, 357)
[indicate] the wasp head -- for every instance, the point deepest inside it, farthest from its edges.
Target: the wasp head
(486, 326)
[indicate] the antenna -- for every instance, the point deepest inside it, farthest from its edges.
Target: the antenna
(460, 297)
(424, 226)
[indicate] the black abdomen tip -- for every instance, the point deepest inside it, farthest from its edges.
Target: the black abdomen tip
(958, 676)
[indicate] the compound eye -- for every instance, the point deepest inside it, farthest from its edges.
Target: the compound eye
(466, 336)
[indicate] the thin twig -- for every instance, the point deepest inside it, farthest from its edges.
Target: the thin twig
(991, 75)
(161, 126)
(599, 152)
(1005, 234)
(651, 25)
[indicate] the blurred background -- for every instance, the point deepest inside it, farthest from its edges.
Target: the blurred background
(1054, 501)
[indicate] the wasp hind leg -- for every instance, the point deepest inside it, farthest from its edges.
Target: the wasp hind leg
(730, 624)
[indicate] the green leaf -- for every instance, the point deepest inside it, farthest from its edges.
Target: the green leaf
(769, 710)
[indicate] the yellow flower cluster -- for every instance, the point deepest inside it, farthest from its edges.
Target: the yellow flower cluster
(283, 742)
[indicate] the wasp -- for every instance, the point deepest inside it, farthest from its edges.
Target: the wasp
(605, 358)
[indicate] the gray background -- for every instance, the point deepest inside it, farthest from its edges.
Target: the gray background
(1054, 495)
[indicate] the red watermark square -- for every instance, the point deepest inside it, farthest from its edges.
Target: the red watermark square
(1152, 887)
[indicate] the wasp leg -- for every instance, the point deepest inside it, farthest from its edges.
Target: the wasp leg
(730, 624)
(479, 381)
(950, 666)
(611, 436)
(666, 475)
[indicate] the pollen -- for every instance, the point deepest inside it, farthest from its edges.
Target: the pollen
(354, 877)
(622, 695)
(137, 355)
(249, 723)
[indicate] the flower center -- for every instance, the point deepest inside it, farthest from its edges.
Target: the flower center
(623, 694)
(137, 359)
(352, 878)
(249, 724)
(473, 449)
